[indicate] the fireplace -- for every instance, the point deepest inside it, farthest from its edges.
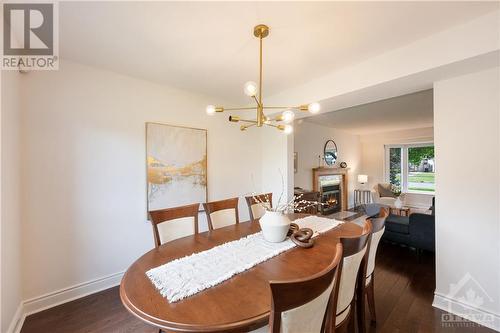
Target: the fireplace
(330, 190)
(331, 183)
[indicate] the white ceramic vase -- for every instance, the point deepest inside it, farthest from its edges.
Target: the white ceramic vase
(398, 203)
(275, 226)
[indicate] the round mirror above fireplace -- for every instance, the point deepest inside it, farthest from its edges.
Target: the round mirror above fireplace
(330, 152)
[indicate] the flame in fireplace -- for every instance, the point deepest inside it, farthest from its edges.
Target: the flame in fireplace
(332, 201)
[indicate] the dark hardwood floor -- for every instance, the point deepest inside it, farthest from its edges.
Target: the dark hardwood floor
(404, 286)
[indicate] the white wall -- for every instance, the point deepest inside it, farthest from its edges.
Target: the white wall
(309, 141)
(466, 122)
(373, 157)
(84, 198)
(277, 158)
(10, 230)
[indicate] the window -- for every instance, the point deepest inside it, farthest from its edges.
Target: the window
(411, 167)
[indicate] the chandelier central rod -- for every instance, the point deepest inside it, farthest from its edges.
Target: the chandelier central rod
(260, 77)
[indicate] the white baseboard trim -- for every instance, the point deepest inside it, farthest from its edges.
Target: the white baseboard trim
(479, 316)
(17, 322)
(61, 296)
(68, 294)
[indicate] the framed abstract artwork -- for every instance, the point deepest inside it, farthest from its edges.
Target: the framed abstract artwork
(176, 162)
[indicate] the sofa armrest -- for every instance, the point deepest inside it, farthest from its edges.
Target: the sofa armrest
(422, 231)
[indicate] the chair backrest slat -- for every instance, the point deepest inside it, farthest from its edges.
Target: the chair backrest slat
(221, 213)
(255, 209)
(172, 223)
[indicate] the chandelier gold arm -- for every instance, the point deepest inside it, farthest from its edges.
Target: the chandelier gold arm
(256, 100)
(244, 127)
(279, 126)
(236, 119)
(282, 107)
(240, 108)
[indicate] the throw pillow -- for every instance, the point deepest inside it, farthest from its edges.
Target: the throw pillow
(383, 191)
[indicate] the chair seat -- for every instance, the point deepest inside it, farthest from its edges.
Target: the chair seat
(399, 224)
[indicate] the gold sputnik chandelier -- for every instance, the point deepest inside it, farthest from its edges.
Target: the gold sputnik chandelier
(281, 121)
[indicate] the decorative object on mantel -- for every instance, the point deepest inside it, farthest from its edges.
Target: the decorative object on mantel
(282, 121)
(180, 278)
(275, 224)
(330, 152)
(176, 163)
(343, 165)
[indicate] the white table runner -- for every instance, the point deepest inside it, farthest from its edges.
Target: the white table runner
(189, 275)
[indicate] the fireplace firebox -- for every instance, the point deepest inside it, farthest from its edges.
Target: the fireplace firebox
(331, 183)
(330, 190)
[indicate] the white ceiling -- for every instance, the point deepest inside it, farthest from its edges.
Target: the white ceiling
(398, 113)
(209, 48)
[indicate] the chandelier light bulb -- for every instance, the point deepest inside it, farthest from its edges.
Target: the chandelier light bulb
(288, 129)
(250, 88)
(210, 110)
(314, 107)
(288, 116)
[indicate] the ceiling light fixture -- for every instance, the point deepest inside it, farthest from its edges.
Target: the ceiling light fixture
(251, 89)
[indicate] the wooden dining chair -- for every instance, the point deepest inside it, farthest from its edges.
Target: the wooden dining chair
(299, 306)
(378, 228)
(222, 213)
(255, 203)
(342, 305)
(172, 223)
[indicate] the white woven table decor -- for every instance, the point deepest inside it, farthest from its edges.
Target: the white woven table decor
(189, 275)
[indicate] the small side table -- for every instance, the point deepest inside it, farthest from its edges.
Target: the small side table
(403, 211)
(362, 197)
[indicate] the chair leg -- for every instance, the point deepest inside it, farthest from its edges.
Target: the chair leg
(351, 325)
(360, 312)
(370, 295)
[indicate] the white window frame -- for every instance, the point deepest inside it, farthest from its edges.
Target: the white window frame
(404, 164)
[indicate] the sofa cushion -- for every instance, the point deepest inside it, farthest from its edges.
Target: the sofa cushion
(399, 224)
(385, 191)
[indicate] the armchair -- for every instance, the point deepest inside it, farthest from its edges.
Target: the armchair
(382, 200)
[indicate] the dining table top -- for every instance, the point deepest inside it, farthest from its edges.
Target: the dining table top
(241, 303)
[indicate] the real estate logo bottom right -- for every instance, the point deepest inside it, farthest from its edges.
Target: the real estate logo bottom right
(467, 313)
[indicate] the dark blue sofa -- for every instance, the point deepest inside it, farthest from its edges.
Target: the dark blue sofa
(416, 230)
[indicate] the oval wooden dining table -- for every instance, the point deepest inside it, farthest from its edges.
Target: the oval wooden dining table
(239, 304)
